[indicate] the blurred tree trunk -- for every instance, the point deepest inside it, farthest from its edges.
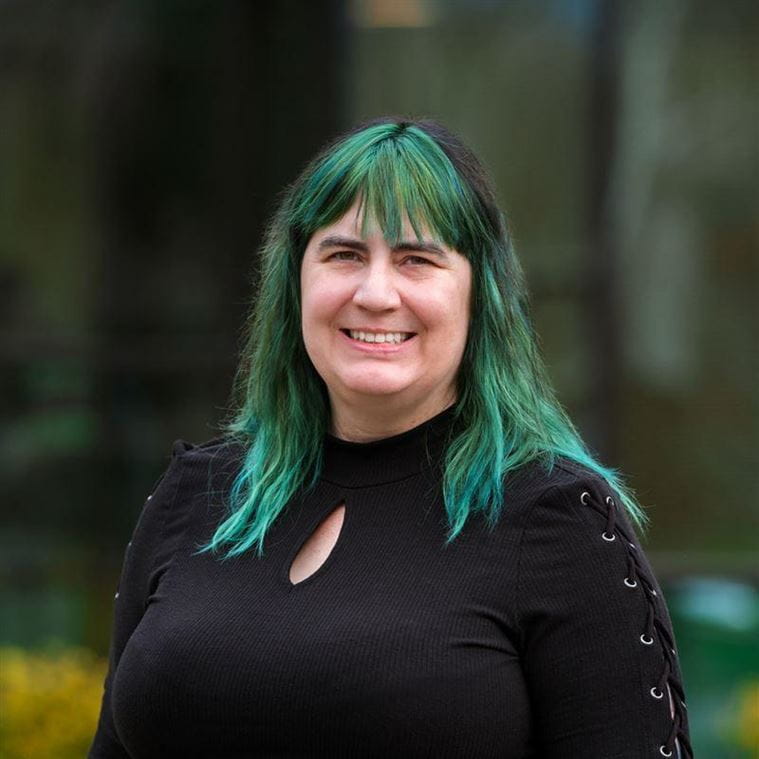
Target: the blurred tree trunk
(601, 302)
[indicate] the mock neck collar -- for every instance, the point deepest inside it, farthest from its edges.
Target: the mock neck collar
(388, 459)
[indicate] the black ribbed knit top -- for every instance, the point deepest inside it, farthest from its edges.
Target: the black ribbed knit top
(546, 635)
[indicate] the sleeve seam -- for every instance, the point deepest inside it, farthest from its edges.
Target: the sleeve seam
(517, 595)
(166, 507)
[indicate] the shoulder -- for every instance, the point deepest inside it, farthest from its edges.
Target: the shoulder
(219, 454)
(192, 468)
(576, 534)
(194, 471)
(222, 446)
(537, 480)
(566, 493)
(537, 477)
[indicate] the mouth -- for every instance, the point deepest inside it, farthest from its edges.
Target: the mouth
(378, 337)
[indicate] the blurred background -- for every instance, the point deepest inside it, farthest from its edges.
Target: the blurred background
(142, 147)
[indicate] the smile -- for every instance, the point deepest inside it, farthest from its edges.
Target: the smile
(378, 347)
(393, 338)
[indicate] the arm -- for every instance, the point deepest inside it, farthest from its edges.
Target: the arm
(598, 649)
(138, 579)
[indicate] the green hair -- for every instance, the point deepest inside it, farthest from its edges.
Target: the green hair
(506, 412)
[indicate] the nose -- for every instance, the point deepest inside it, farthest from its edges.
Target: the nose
(377, 289)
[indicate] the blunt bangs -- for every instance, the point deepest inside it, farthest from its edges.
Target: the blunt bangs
(396, 171)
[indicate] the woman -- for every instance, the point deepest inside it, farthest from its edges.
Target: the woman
(400, 546)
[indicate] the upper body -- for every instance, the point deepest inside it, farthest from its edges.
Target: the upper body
(475, 588)
(527, 640)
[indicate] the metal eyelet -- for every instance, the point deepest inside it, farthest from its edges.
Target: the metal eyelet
(149, 497)
(632, 545)
(656, 693)
(646, 640)
(607, 538)
(633, 584)
(653, 592)
(116, 596)
(610, 501)
(585, 498)
(663, 752)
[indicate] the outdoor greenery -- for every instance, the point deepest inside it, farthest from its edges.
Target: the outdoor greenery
(50, 702)
(142, 147)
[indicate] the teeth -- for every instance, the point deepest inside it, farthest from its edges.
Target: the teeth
(379, 337)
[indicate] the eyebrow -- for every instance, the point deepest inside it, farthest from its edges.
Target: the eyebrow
(424, 246)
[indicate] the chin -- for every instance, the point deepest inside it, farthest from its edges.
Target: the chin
(375, 388)
(375, 385)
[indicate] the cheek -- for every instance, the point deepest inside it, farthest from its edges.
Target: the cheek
(316, 300)
(310, 326)
(450, 314)
(464, 307)
(321, 303)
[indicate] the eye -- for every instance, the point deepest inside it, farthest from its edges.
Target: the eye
(344, 255)
(417, 260)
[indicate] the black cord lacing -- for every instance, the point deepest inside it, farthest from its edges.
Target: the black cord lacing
(654, 628)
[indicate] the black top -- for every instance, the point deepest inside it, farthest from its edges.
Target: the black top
(547, 636)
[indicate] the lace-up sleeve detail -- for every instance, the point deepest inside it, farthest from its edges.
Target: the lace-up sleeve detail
(598, 650)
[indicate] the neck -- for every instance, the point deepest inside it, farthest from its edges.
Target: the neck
(390, 459)
(379, 417)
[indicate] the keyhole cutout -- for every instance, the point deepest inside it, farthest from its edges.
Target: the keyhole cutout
(318, 547)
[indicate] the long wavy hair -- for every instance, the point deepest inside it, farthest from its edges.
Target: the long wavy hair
(506, 413)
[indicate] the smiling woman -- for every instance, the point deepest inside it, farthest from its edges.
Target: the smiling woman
(448, 570)
(385, 328)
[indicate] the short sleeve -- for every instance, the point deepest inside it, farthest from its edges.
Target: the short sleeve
(599, 654)
(138, 577)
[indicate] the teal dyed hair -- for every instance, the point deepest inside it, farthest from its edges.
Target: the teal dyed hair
(506, 412)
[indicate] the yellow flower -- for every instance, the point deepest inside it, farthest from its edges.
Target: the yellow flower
(51, 700)
(747, 719)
